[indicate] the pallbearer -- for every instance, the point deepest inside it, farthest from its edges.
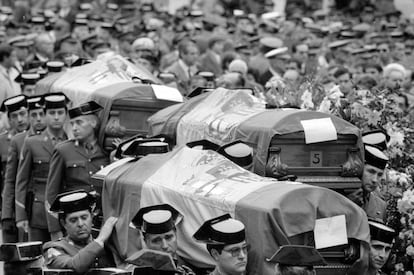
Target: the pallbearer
(75, 161)
(78, 250)
(225, 238)
(34, 168)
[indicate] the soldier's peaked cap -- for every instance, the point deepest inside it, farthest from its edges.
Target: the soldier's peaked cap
(297, 255)
(238, 152)
(375, 157)
(87, 108)
(73, 201)
(223, 230)
(378, 138)
(203, 144)
(35, 102)
(157, 219)
(381, 232)
(55, 100)
(14, 103)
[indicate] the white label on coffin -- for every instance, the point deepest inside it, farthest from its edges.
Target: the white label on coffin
(319, 130)
(330, 232)
(167, 93)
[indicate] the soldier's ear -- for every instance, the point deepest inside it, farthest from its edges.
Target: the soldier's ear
(214, 254)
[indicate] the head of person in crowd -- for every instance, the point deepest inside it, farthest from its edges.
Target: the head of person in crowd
(44, 45)
(382, 240)
(384, 53)
(393, 75)
(142, 45)
(374, 70)
(75, 214)
(278, 59)
(68, 49)
(209, 79)
(399, 51)
(85, 121)
(238, 66)
(28, 82)
(301, 51)
(22, 45)
(149, 61)
(225, 240)
(293, 64)
(375, 163)
(55, 108)
(61, 28)
(343, 79)
(231, 80)
(188, 52)
(216, 44)
(36, 113)
(157, 224)
(296, 260)
(16, 108)
(7, 56)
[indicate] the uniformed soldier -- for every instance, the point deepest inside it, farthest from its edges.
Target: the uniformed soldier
(16, 108)
(226, 242)
(296, 260)
(34, 168)
(37, 124)
(78, 250)
(382, 239)
(158, 226)
(75, 161)
(375, 163)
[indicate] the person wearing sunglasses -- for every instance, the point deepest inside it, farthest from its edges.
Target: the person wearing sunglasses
(225, 239)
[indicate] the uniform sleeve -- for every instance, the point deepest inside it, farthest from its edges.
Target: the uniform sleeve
(9, 181)
(23, 181)
(57, 258)
(54, 186)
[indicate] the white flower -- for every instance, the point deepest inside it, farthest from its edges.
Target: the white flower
(325, 105)
(307, 102)
(396, 138)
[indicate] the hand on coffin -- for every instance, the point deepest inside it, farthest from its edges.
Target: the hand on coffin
(106, 229)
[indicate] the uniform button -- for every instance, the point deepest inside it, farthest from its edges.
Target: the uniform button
(74, 165)
(89, 160)
(39, 161)
(90, 173)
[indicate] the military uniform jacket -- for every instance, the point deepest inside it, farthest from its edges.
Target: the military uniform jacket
(32, 177)
(71, 168)
(16, 144)
(5, 139)
(375, 207)
(65, 254)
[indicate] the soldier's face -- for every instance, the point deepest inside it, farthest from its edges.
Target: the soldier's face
(37, 119)
(232, 259)
(371, 177)
(379, 253)
(19, 120)
(83, 127)
(78, 225)
(166, 242)
(55, 118)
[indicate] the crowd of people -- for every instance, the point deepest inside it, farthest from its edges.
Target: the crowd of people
(354, 62)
